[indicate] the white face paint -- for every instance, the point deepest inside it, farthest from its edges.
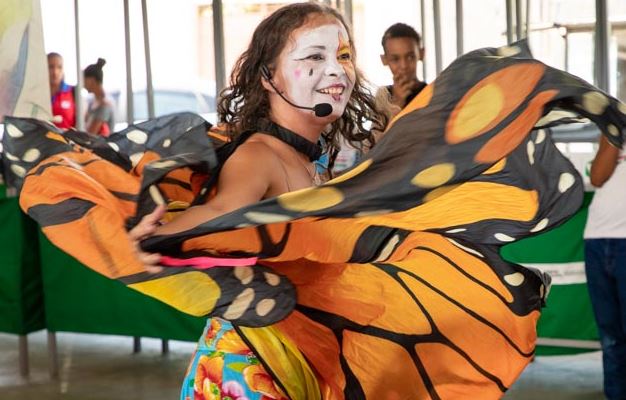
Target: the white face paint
(318, 68)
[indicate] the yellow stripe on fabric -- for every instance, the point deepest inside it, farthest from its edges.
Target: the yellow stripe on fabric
(285, 361)
(313, 199)
(193, 293)
(464, 204)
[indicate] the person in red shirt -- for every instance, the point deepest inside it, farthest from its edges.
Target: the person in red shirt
(62, 95)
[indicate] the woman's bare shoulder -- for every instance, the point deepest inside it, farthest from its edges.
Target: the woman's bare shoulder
(256, 150)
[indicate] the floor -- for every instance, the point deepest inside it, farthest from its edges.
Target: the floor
(96, 367)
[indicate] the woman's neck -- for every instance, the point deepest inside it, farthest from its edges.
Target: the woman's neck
(98, 93)
(54, 89)
(294, 122)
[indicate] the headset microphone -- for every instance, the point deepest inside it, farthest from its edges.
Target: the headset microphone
(321, 110)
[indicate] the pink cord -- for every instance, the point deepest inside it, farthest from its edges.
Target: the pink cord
(207, 262)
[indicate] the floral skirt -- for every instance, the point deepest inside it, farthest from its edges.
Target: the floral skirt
(224, 367)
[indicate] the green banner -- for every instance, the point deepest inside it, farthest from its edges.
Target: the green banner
(567, 317)
(80, 300)
(21, 295)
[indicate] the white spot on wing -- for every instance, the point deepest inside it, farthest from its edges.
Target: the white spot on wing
(503, 237)
(135, 158)
(265, 306)
(31, 155)
(271, 278)
(13, 131)
(514, 279)
(541, 225)
(595, 102)
(566, 181)
(541, 136)
(388, 249)
(530, 149)
(156, 195)
(10, 156)
(163, 164)
(266, 218)
(239, 306)
(137, 136)
(509, 51)
(18, 170)
(467, 249)
(244, 274)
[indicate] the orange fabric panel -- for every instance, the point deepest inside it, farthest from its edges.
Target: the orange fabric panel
(511, 136)
(471, 328)
(318, 344)
(304, 240)
(104, 243)
(470, 264)
(453, 377)
(361, 304)
(388, 372)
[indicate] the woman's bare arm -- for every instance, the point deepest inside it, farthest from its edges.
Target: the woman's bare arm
(604, 163)
(245, 179)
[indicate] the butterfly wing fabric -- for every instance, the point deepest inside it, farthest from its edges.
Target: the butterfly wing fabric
(84, 191)
(387, 279)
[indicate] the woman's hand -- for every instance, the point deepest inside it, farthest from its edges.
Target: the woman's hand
(146, 228)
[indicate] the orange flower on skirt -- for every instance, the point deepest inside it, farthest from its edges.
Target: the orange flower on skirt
(232, 343)
(258, 380)
(212, 332)
(208, 377)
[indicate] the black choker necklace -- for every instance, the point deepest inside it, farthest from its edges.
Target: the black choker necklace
(312, 150)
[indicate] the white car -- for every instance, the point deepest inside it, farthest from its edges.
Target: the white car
(166, 101)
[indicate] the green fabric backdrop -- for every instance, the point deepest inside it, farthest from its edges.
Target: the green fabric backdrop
(21, 295)
(568, 314)
(80, 300)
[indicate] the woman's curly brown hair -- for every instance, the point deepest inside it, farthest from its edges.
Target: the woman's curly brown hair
(245, 102)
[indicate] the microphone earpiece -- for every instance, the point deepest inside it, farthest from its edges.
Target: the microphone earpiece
(265, 72)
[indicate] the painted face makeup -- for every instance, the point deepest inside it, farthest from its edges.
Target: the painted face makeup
(318, 67)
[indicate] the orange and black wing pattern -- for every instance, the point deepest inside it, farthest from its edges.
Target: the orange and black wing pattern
(387, 279)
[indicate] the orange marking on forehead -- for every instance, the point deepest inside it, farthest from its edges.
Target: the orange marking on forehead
(344, 45)
(343, 48)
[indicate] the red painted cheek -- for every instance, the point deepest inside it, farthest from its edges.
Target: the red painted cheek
(297, 73)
